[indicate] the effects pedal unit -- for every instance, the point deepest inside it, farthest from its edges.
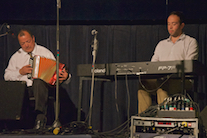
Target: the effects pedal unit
(153, 127)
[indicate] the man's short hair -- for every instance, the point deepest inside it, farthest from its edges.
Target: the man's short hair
(21, 32)
(179, 14)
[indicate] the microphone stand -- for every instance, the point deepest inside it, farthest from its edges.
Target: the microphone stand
(57, 123)
(8, 27)
(4, 34)
(95, 48)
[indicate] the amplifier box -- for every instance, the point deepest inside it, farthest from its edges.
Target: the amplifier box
(176, 114)
(13, 100)
(146, 127)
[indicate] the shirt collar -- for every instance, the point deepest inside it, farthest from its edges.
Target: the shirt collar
(33, 52)
(182, 36)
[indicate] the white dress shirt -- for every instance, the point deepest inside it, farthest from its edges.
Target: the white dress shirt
(21, 58)
(185, 48)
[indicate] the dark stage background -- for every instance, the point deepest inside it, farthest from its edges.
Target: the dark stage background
(109, 10)
(128, 31)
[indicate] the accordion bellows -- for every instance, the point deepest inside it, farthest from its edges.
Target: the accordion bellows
(45, 69)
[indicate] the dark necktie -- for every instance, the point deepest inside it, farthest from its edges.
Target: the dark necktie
(30, 53)
(30, 63)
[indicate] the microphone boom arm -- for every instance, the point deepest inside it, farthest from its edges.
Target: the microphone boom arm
(4, 34)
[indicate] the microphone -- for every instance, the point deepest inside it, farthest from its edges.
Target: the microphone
(10, 31)
(94, 32)
(95, 41)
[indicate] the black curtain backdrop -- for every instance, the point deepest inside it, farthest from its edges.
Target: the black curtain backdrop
(100, 10)
(117, 43)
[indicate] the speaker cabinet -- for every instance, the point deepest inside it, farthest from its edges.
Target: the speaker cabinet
(12, 99)
(203, 117)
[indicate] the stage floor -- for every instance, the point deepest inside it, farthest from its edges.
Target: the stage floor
(143, 135)
(62, 134)
(46, 136)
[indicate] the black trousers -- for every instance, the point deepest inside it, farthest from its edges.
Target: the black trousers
(41, 90)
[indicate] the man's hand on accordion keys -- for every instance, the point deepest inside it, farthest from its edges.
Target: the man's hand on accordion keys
(25, 70)
(63, 75)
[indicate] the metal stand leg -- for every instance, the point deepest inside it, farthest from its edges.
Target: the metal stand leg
(80, 98)
(80, 93)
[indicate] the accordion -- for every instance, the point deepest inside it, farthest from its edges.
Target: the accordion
(45, 69)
